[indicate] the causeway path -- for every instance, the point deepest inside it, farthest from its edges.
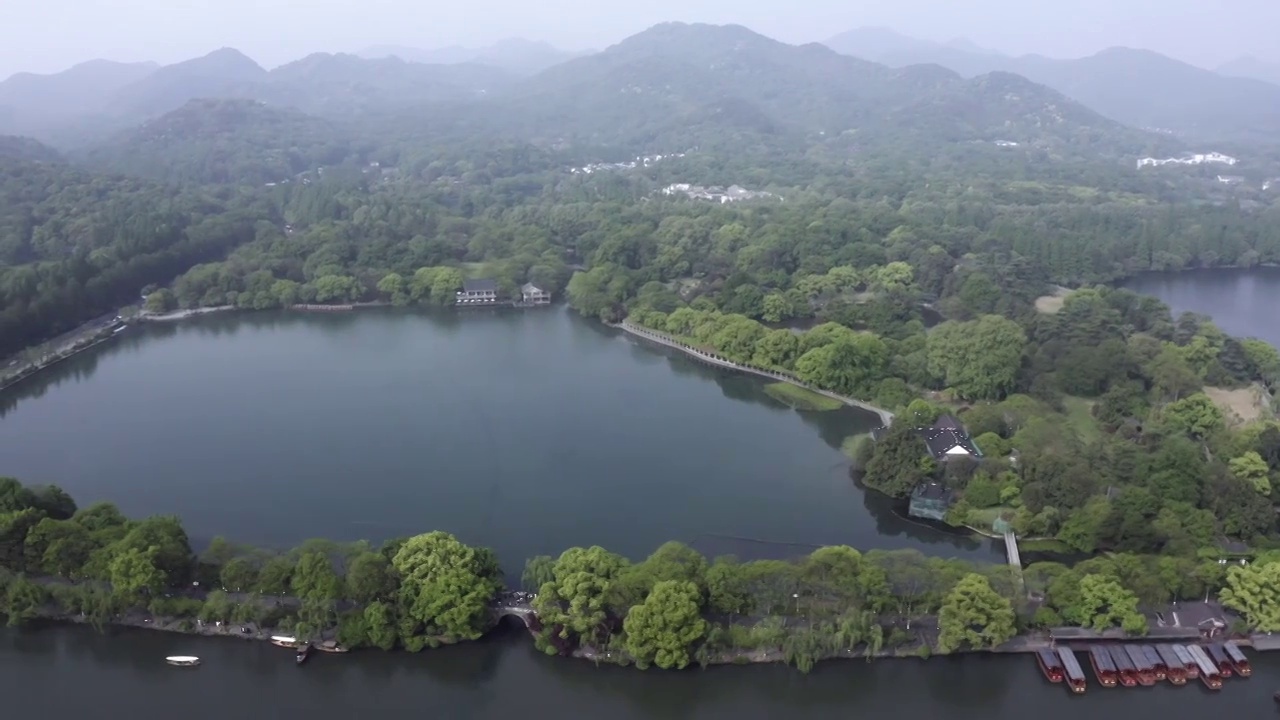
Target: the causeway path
(660, 338)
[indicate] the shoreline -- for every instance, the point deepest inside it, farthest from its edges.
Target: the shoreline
(665, 340)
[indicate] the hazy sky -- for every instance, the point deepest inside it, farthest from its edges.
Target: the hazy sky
(50, 35)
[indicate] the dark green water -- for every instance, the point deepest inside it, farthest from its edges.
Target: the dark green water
(529, 432)
(124, 675)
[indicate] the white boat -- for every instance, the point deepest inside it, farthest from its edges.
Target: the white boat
(288, 641)
(183, 660)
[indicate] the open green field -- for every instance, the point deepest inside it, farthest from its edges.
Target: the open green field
(1080, 418)
(801, 398)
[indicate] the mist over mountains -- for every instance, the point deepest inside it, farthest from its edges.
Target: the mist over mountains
(1137, 87)
(677, 81)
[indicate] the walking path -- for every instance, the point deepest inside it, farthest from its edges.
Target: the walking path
(719, 361)
(1015, 560)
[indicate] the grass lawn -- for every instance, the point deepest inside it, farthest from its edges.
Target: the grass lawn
(1080, 418)
(1048, 545)
(801, 398)
(985, 517)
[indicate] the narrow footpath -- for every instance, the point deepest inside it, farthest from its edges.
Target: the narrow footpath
(886, 417)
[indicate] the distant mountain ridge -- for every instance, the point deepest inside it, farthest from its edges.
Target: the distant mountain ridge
(679, 83)
(1137, 87)
(515, 55)
(1248, 66)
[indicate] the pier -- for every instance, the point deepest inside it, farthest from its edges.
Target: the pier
(720, 361)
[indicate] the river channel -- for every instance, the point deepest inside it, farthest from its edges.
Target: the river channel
(529, 432)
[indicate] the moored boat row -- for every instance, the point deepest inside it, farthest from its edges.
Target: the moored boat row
(1133, 664)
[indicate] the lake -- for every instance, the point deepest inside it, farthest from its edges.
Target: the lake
(123, 675)
(529, 432)
(1241, 302)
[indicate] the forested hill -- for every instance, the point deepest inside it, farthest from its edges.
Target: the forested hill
(23, 148)
(75, 245)
(1138, 87)
(682, 84)
(238, 142)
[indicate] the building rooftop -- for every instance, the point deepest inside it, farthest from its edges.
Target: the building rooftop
(530, 287)
(479, 285)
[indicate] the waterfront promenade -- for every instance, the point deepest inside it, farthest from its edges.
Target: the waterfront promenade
(711, 358)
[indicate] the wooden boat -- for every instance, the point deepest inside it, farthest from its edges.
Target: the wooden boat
(1209, 674)
(285, 641)
(1103, 667)
(1125, 669)
(1219, 658)
(1071, 670)
(183, 660)
(1050, 665)
(1189, 663)
(1238, 660)
(1158, 665)
(331, 646)
(1143, 669)
(1175, 668)
(304, 650)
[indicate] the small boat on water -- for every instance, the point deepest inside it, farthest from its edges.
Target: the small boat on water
(1238, 659)
(1209, 674)
(1070, 670)
(331, 646)
(1124, 666)
(1189, 663)
(1175, 668)
(183, 660)
(1103, 667)
(1158, 665)
(1050, 665)
(1219, 657)
(285, 641)
(304, 650)
(1143, 668)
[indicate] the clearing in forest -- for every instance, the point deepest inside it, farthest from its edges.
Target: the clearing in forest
(1051, 304)
(1241, 405)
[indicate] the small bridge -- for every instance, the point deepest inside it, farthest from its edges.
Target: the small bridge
(517, 605)
(1015, 561)
(711, 358)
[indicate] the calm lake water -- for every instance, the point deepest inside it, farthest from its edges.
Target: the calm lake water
(529, 432)
(503, 677)
(1241, 302)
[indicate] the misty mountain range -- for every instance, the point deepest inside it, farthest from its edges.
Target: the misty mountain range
(666, 80)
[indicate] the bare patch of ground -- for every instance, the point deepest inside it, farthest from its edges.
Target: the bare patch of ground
(1051, 304)
(1242, 405)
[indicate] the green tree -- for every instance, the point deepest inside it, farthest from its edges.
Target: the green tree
(1251, 468)
(978, 359)
(1254, 591)
(575, 600)
(240, 575)
(394, 287)
(135, 574)
(899, 462)
(275, 576)
(1103, 603)
(23, 600)
(380, 624)
(663, 629)
(160, 301)
(370, 578)
(974, 615)
(1195, 415)
(445, 588)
